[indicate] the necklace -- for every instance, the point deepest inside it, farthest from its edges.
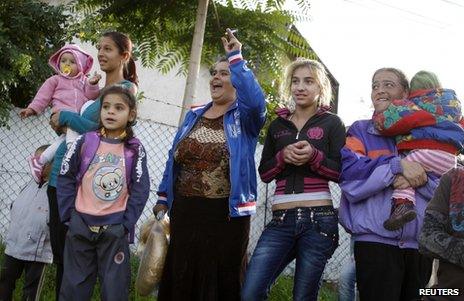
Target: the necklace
(120, 137)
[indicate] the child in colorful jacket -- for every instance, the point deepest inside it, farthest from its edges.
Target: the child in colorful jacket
(428, 128)
(67, 90)
(103, 187)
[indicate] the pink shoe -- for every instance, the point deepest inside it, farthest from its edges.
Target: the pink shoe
(36, 168)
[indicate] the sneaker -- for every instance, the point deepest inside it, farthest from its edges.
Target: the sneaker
(36, 168)
(401, 215)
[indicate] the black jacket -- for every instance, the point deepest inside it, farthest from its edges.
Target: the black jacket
(324, 131)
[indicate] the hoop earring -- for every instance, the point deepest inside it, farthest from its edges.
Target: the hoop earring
(291, 105)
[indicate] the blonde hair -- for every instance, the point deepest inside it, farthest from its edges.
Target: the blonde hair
(320, 76)
(425, 80)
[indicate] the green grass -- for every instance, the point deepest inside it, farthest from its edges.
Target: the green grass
(48, 290)
(281, 291)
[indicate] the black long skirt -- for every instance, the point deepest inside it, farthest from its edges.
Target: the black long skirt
(206, 257)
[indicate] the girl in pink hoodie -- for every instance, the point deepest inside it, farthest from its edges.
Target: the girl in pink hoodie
(67, 90)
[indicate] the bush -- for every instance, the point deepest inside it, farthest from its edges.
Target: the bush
(30, 31)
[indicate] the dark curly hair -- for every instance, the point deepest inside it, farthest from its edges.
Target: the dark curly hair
(128, 98)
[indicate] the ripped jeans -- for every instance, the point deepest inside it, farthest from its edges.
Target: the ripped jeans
(307, 234)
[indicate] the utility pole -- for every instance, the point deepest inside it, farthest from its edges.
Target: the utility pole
(195, 58)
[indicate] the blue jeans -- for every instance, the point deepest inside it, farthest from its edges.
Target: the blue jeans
(309, 235)
(347, 282)
(347, 278)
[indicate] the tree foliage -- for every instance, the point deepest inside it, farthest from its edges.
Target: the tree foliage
(162, 31)
(30, 31)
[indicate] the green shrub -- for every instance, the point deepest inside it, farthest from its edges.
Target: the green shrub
(30, 31)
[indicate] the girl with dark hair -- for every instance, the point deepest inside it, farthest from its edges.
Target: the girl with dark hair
(104, 185)
(124, 46)
(129, 99)
(114, 54)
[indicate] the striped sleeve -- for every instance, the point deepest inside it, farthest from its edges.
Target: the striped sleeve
(234, 57)
(363, 176)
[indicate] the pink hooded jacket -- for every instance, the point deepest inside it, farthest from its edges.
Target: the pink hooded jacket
(63, 92)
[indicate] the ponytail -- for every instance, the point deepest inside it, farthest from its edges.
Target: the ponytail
(124, 44)
(130, 72)
(129, 132)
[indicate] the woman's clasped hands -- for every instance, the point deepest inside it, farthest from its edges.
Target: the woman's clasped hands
(298, 153)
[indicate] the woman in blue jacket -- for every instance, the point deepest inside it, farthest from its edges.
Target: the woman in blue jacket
(209, 186)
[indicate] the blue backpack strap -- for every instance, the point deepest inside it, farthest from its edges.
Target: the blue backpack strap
(131, 150)
(88, 149)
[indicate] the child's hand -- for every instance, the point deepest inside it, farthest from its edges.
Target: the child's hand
(95, 78)
(55, 121)
(400, 182)
(24, 113)
(414, 172)
(160, 210)
(62, 130)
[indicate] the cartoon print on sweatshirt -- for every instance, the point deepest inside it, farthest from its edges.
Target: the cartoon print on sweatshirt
(109, 179)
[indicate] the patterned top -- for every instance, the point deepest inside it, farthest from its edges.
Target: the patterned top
(204, 160)
(442, 234)
(429, 119)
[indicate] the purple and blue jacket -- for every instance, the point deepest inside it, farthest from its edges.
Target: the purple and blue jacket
(370, 163)
(76, 162)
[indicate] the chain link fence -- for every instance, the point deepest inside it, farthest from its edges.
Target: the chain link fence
(24, 136)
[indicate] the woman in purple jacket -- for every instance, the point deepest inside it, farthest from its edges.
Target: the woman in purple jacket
(388, 264)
